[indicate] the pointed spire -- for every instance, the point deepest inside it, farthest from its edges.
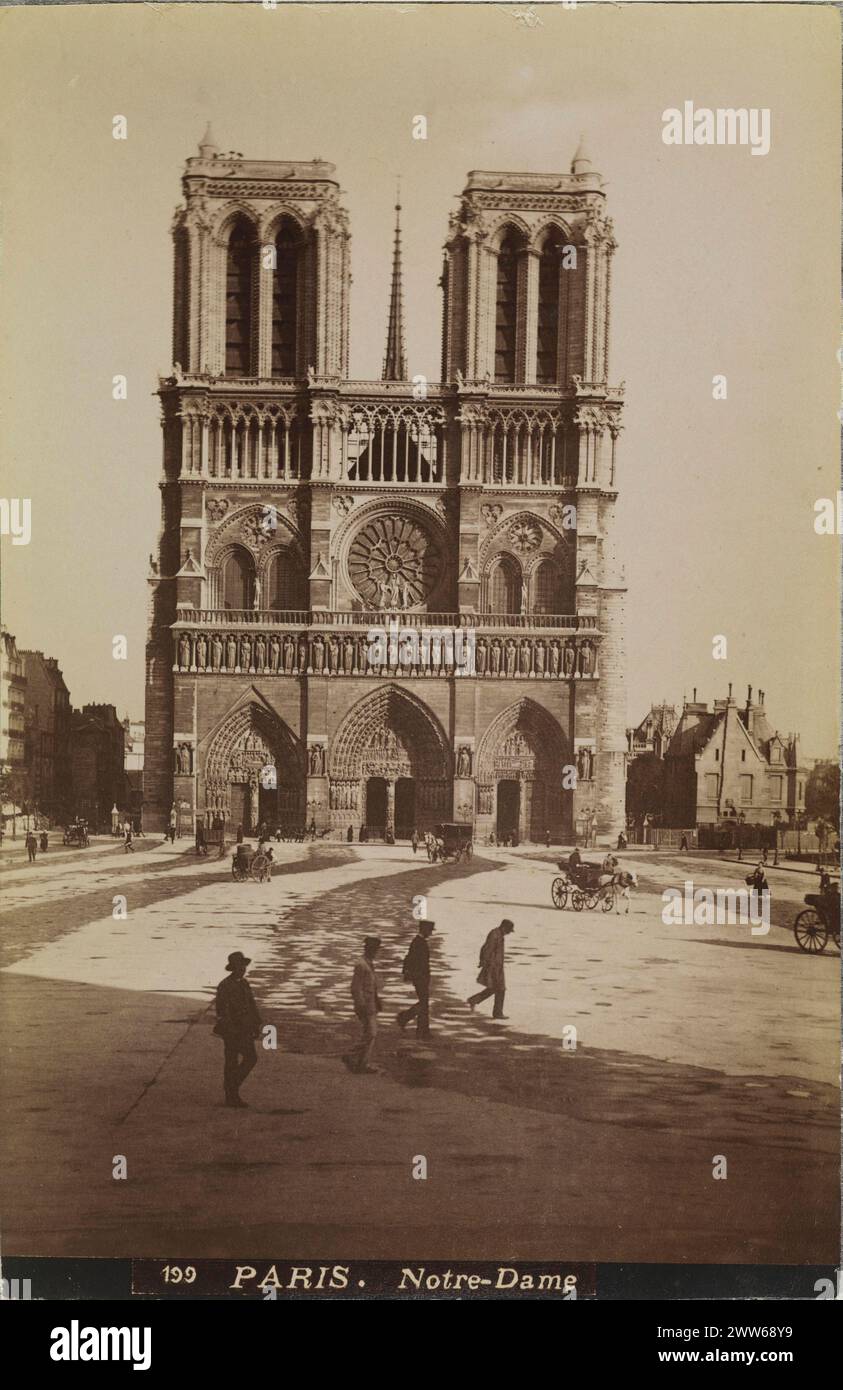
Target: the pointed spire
(581, 162)
(395, 362)
(208, 146)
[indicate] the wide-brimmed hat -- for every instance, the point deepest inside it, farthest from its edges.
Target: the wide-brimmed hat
(237, 958)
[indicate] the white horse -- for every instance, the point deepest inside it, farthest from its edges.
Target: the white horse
(622, 880)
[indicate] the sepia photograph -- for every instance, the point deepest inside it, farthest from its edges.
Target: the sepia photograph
(420, 753)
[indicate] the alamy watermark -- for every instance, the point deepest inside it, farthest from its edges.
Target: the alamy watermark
(395, 645)
(721, 907)
(726, 125)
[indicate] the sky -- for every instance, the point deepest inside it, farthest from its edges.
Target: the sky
(727, 264)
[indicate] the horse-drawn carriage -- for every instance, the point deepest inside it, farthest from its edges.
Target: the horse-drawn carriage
(450, 843)
(585, 885)
(247, 863)
(76, 834)
(820, 921)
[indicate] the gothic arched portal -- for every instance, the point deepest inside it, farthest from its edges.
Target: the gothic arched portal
(519, 774)
(390, 766)
(254, 770)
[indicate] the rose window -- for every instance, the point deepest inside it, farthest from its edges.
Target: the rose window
(393, 564)
(525, 535)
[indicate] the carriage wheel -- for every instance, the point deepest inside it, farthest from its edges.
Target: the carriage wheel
(559, 892)
(608, 901)
(258, 868)
(592, 899)
(811, 932)
(578, 900)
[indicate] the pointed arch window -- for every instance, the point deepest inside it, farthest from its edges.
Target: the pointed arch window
(506, 309)
(548, 325)
(546, 588)
(285, 297)
(239, 297)
(505, 586)
(285, 583)
(238, 581)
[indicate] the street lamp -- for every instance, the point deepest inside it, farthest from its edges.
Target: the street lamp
(741, 820)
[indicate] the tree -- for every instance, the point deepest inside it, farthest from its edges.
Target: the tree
(645, 786)
(822, 792)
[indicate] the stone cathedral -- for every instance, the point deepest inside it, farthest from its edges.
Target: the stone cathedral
(302, 512)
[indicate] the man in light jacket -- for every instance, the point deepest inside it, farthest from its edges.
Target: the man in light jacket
(364, 993)
(492, 975)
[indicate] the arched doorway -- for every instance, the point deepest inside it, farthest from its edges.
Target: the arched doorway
(390, 745)
(520, 780)
(509, 809)
(253, 772)
(376, 805)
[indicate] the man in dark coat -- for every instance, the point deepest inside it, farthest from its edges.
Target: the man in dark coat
(416, 972)
(238, 1024)
(492, 976)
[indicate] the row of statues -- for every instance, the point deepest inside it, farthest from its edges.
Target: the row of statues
(354, 655)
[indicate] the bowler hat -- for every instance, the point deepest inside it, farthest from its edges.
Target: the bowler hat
(371, 941)
(237, 958)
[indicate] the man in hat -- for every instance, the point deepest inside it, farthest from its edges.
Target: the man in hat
(492, 976)
(416, 971)
(364, 992)
(238, 1024)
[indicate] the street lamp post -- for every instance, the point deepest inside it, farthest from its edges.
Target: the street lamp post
(741, 819)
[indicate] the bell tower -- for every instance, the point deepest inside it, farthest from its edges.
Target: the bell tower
(526, 326)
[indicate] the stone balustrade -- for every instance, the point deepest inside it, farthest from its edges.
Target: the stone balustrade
(369, 618)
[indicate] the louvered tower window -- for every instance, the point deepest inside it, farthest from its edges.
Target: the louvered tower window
(548, 328)
(285, 301)
(506, 314)
(238, 300)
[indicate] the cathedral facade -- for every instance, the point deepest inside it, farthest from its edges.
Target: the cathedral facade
(384, 604)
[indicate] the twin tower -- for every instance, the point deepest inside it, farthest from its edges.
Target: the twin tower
(304, 513)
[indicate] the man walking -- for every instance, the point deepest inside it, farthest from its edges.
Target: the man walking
(128, 847)
(416, 971)
(364, 992)
(238, 1024)
(492, 976)
(31, 846)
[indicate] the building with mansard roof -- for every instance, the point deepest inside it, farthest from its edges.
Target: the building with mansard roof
(728, 763)
(384, 604)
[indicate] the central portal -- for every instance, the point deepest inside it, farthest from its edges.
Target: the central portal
(376, 804)
(509, 807)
